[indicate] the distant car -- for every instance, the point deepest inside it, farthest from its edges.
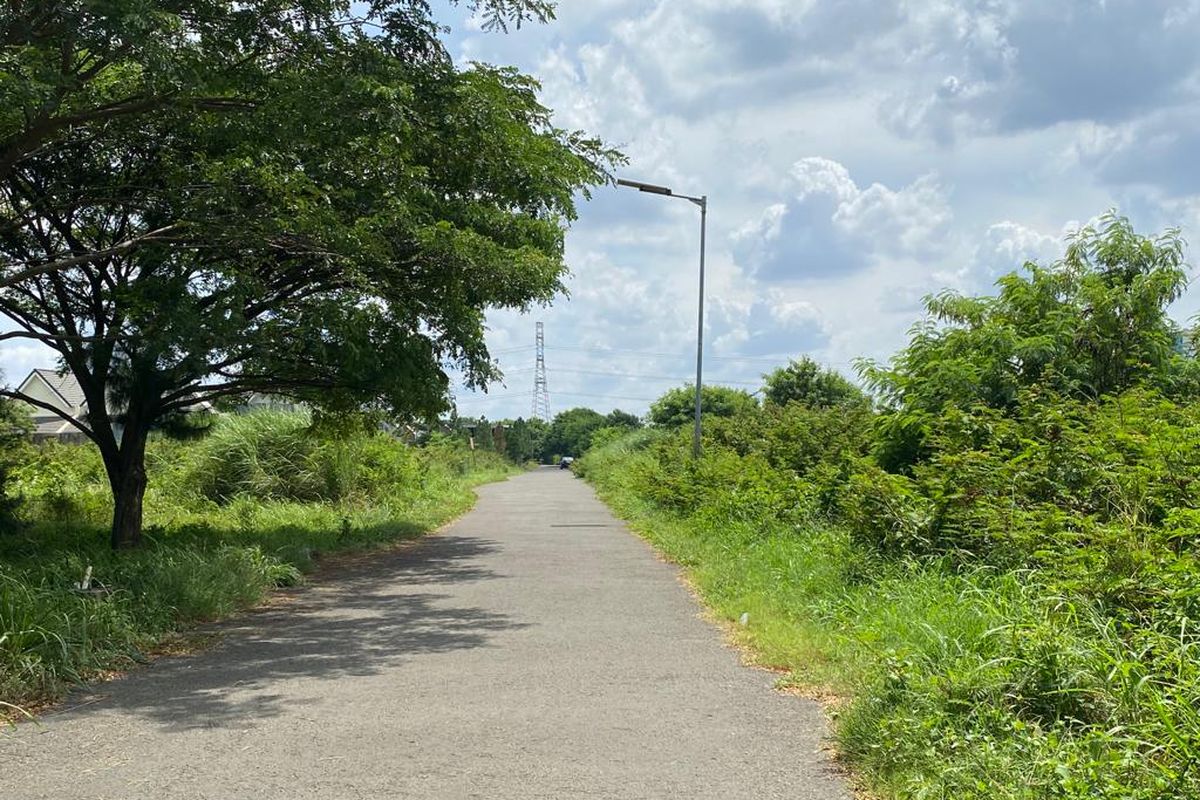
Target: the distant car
(566, 462)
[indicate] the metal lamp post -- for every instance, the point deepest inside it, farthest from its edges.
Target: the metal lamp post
(702, 202)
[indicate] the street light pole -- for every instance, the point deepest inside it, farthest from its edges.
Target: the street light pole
(702, 202)
(700, 330)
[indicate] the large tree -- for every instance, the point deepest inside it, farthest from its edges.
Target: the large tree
(807, 383)
(318, 205)
(523, 440)
(1092, 324)
(677, 407)
(570, 434)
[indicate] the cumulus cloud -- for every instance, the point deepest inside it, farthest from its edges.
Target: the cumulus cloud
(1012, 65)
(831, 227)
(1003, 248)
(714, 53)
(19, 357)
(1157, 150)
(773, 325)
(1034, 112)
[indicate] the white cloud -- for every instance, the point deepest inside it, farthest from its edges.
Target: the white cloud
(1029, 111)
(1003, 248)
(20, 357)
(831, 227)
(956, 139)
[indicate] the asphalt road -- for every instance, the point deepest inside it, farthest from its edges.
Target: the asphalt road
(534, 649)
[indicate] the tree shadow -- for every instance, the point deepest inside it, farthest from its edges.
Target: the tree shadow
(359, 617)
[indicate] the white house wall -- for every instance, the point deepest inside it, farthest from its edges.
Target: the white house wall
(36, 388)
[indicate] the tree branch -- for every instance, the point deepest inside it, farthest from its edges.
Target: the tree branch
(33, 401)
(159, 234)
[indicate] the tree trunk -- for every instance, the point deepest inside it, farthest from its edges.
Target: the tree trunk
(127, 476)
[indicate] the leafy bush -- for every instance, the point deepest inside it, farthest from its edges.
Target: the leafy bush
(1091, 325)
(807, 383)
(967, 681)
(61, 482)
(570, 434)
(1000, 567)
(15, 426)
(677, 407)
(229, 518)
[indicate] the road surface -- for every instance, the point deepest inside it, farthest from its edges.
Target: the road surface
(534, 649)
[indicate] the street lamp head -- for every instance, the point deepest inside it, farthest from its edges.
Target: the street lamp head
(644, 187)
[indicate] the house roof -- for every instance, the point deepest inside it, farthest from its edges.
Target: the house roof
(52, 426)
(64, 385)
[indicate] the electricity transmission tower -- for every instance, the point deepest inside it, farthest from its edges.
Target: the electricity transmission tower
(541, 394)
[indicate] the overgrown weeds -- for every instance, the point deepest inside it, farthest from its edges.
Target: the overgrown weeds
(967, 680)
(999, 561)
(229, 518)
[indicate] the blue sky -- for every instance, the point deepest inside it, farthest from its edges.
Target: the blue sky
(858, 155)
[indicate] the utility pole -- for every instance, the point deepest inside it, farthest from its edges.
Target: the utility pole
(541, 394)
(702, 204)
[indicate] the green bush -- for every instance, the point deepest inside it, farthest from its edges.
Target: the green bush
(1014, 618)
(806, 383)
(677, 407)
(1000, 567)
(61, 482)
(228, 518)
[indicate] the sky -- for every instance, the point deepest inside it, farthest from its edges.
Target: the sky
(858, 155)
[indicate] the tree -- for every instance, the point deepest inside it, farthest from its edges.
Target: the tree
(334, 229)
(622, 419)
(525, 438)
(77, 65)
(677, 407)
(1093, 324)
(15, 427)
(806, 382)
(570, 433)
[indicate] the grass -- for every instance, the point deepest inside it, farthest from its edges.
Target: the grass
(957, 683)
(221, 534)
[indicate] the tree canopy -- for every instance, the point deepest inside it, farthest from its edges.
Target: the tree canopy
(677, 407)
(205, 200)
(524, 440)
(1092, 324)
(806, 382)
(570, 433)
(622, 419)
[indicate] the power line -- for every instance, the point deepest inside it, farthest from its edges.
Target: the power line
(611, 397)
(641, 376)
(509, 395)
(484, 398)
(777, 361)
(611, 374)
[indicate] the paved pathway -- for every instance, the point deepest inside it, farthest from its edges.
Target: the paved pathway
(535, 649)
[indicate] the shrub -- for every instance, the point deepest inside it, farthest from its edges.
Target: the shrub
(677, 407)
(229, 518)
(1001, 567)
(805, 382)
(266, 454)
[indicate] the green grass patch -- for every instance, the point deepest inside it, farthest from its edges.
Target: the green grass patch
(961, 682)
(229, 518)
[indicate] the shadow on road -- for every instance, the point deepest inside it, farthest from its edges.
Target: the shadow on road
(357, 619)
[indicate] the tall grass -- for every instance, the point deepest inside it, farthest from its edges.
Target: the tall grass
(957, 682)
(228, 518)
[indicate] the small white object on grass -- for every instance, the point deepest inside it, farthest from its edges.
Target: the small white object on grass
(744, 619)
(85, 584)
